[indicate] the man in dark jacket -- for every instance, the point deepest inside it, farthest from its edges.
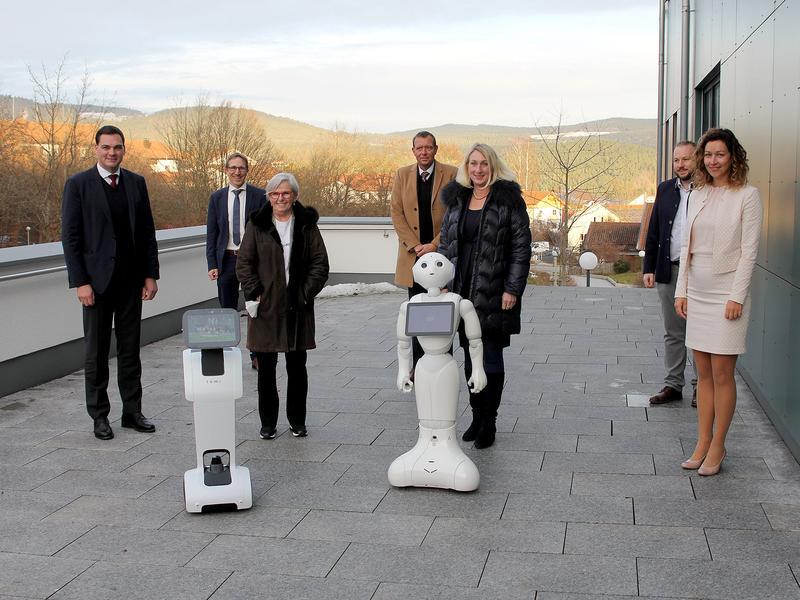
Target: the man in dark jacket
(665, 235)
(112, 259)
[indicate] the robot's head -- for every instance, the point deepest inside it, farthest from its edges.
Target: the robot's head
(433, 270)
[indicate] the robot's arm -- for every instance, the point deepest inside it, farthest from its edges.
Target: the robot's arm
(404, 355)
(472, 327)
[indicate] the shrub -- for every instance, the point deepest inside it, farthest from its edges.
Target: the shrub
(621, 266)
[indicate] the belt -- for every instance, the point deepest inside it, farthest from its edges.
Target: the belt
(676, 262)
(231, 252)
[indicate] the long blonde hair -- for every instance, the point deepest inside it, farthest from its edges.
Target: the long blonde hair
(498, 168)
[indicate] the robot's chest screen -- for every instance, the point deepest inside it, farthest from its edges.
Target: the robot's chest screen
(213, 328)
(430, 318)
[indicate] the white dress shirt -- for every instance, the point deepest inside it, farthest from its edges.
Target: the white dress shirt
(678, 234)
(242, 202)
(105, 174)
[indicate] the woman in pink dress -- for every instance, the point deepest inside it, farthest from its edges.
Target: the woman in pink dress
(712, 291)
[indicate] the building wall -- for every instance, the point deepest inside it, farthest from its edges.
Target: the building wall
(755, 44)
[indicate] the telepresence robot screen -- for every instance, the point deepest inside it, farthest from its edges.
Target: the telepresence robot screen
(429, 318)
(211, 328)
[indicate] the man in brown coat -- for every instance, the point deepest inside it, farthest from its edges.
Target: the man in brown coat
(417, 211)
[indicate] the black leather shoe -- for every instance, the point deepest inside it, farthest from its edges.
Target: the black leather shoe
(268, 433)
(472, 431)
(298, 431)
(485, 436)
(138, 422)
(667, 394)
(102, 430)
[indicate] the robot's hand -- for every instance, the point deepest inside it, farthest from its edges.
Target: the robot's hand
(404, 383)
(478, 381)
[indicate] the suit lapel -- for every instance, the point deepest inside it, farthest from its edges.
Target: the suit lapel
(438, 176)
(223, 211)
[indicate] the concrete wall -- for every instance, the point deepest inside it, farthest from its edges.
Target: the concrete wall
(42, 325)
(756, 46)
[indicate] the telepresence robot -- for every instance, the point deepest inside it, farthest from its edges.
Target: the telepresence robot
(212, 376)
(436, 460)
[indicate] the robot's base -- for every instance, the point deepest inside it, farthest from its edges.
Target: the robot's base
(237, 494)
(435, 461)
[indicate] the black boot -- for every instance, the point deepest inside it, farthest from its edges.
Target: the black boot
(491, 402)
(477, 418)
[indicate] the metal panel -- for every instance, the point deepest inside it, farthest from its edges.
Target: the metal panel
(750, 14)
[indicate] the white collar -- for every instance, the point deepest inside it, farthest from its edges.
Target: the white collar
(105, 173)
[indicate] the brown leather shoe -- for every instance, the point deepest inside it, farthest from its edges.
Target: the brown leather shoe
(694, 398)
(667, 394)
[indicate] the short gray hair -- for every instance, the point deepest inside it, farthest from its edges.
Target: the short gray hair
(279, 178)
(233, 155)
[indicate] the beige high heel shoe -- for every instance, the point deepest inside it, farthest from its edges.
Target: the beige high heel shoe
(691, 465)
(711, 470)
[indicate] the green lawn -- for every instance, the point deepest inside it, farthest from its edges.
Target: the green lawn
(629, 278)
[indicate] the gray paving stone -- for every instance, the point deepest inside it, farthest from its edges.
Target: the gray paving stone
(783, 516)
(716, 580)
(560, 596)
(286, 447)
(636, 541)
(310, 494)
(743, 467)
(404, 591)
(23, 436)
(259, 520)
(458, 566)
(87, 460)
(742, 544)
(700, 513)
(26, 478)
(31, 506)
(271, 556)
(38, 538)
(374, 454)
(562, 573)
(589, 462)
(563, 426)
(442, 503)
(619, 444)
(582, 400)
(36, 576)
(137, 546)
(101, 484)
(537, 442)
(722, 487)
(245, 586)
(501, 534)
(18, 456)
(107, 580)
(274, 471)
(124, 439)
(351, 421)
(143, 513)
(587, 509)
(610, 413)
(592, 484)
(365, 528)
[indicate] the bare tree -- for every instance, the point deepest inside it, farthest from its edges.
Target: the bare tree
(57, 143)
(200, 137)
(521, 158)
(578, 167)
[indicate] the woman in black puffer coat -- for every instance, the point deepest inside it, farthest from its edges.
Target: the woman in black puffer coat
(486, 234)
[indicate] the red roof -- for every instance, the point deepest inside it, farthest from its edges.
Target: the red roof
(607, 233)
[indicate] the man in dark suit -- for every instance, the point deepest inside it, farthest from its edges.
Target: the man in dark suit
(665, 236)
(112, 259)
(229, 210)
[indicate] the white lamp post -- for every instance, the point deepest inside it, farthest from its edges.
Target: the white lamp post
(28, 233)
(588, 261)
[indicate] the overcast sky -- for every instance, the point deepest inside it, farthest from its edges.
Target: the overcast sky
(369, 65)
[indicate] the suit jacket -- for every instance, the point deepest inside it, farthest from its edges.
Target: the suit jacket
(405, 214)
(737, 231)
(87, 232)
(657, 248)
(217, 221)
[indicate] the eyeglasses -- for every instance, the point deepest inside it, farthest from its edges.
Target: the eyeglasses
(276, 195)
(236, 168)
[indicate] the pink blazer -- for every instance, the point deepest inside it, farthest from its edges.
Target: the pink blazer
(736, 235)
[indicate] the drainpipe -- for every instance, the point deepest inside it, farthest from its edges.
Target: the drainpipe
(660, 124)
(684, 123)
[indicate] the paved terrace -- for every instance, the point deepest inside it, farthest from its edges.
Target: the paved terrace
(581, 498)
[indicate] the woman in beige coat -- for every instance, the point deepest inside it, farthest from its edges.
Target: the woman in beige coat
(712, 291)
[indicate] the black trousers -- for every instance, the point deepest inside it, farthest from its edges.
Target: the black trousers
(228, 284)
(485, 403)
(296, 388)
(416, 348)
(122, 304)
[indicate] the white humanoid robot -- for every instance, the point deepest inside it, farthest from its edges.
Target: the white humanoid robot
(436, 460)
(212, 371)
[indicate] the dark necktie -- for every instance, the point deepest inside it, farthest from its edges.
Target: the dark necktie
(425, 175)
(237, 228)
(113, 178)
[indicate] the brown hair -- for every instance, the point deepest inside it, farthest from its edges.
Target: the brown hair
(739, 168)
